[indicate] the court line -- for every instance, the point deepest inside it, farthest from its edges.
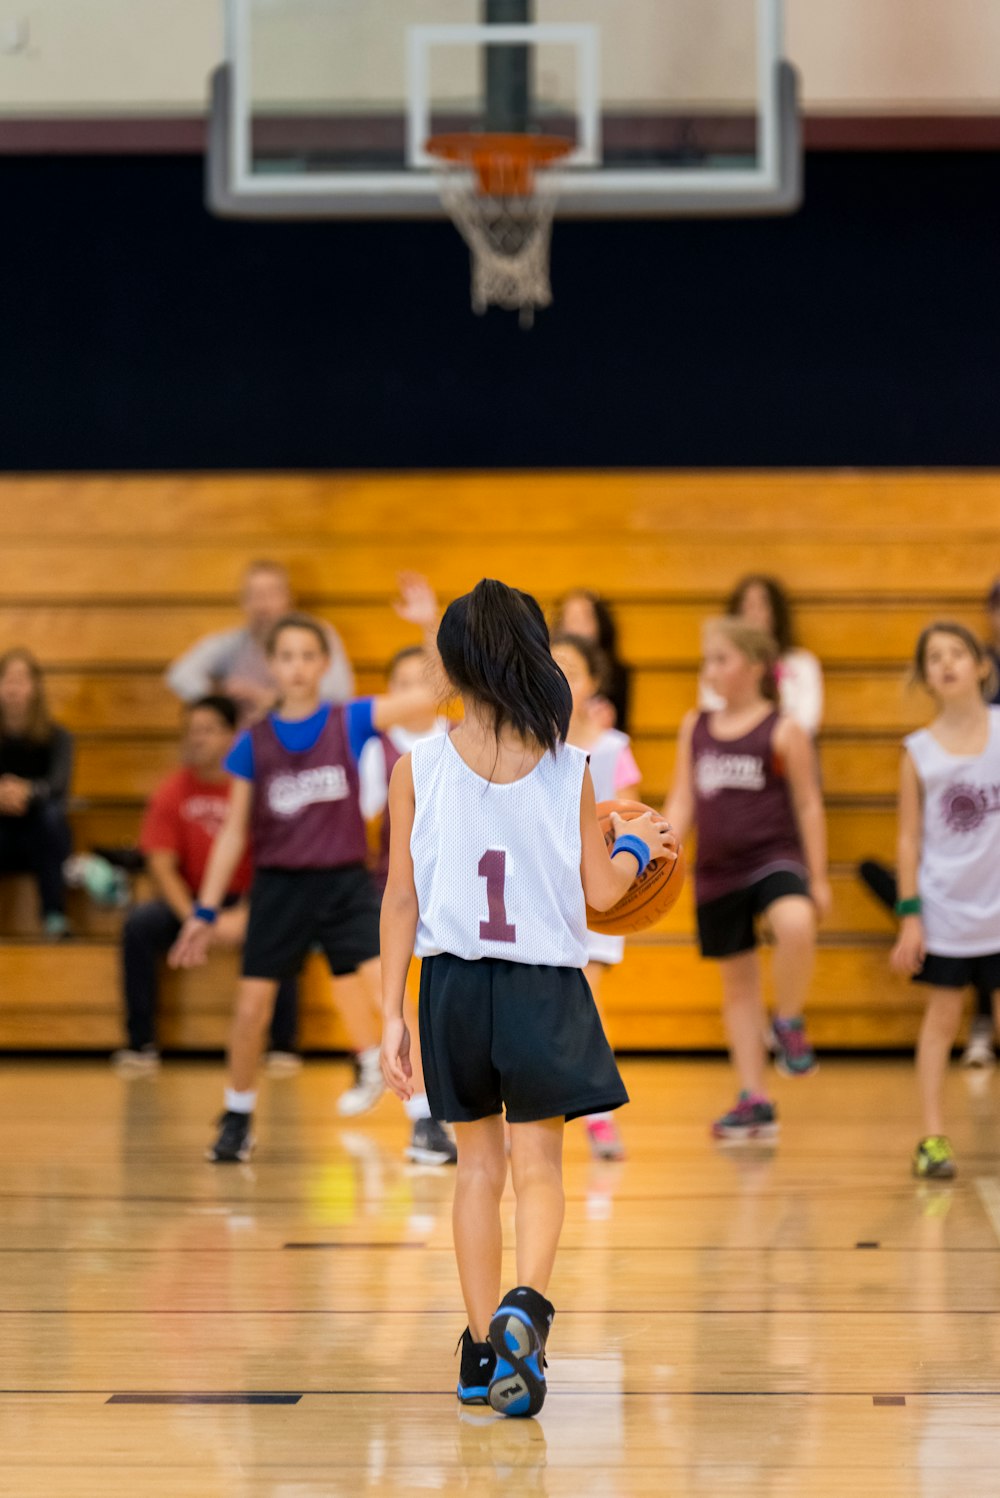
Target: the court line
(204, 1399)
(585, 1393)
(564, 1249)
(379, 1312)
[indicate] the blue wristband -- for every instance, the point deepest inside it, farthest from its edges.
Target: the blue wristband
(629, 843)
(205, 913)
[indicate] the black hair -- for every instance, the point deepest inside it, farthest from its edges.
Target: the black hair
(781, 609)
(494, 646)
(607, 629)
(591, 654)
(408, 653)
(295, 620)
(214, 702)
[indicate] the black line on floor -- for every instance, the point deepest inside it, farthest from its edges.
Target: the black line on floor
(204, 1399)
(334, 1244)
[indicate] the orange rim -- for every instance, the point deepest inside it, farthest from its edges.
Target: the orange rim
(505, 165)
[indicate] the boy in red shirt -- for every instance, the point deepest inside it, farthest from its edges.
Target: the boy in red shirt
(180, 823)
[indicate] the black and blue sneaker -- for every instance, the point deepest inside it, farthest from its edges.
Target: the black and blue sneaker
(478, 1363)
(518, 1333)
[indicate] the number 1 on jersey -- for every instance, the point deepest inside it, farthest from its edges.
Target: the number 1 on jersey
(493, 868)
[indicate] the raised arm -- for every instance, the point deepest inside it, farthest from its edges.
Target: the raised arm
(606, 879)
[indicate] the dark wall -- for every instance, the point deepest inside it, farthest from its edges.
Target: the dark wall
(138, 332)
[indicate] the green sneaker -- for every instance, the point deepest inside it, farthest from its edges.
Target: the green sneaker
(935, 1157)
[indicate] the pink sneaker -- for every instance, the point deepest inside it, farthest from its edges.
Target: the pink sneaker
(605, 1140)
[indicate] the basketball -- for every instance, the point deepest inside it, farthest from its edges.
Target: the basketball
(653, 893)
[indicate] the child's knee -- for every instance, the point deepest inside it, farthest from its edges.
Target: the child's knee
(485, 1172)
(254, 1007)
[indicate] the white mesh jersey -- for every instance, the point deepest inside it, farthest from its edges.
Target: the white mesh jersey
(959, 876)
(497, 867)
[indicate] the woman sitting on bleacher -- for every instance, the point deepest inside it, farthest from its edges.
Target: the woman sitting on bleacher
(36, 762)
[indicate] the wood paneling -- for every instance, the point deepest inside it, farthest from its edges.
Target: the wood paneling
(108, 578)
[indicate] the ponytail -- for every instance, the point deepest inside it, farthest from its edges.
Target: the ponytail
(494, 646)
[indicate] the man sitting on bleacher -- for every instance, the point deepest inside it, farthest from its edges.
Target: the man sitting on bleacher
(181, 820)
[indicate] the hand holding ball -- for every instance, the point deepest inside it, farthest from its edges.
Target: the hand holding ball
(653, 893)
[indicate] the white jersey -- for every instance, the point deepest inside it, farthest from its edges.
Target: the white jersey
(960, 848)
(497, 867)
(604, 756)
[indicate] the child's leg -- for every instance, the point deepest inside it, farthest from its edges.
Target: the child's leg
(353, 997)
(479, 1184)
(792, 920)
(942, 1018)
(743, 1013)
(536, 1170)
(254, 1007)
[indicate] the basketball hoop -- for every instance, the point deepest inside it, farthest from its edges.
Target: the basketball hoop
(500, 195)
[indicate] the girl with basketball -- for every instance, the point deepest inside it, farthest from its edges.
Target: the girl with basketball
(616, 776)
(949, 860)
(746, 780)
(296, 790)
(495, 852)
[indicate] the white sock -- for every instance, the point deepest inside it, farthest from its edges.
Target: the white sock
(371, 1058)
(598, 1118)
(417, 1107)
(240, 1102)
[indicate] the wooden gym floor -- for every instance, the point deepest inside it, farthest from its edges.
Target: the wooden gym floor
(770, 1325)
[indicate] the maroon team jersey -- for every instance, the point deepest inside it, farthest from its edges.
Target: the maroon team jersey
(743, 810)
(306, 804)
(380, 864)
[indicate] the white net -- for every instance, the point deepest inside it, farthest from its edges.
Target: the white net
(509, 238)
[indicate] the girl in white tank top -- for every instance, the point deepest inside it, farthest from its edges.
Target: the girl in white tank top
(949, 860)
(495, 851)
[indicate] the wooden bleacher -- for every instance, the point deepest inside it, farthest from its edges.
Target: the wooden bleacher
(107, 578)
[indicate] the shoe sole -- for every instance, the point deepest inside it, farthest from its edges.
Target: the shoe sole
(757, 1133)
(429, 1157)
(516, 1389)
(936, 1174)
(469, 1401)
(240, 1158)
(354, 1110)
(786, 1071)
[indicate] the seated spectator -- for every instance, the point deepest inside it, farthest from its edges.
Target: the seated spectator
(181, 820)
(763, 603)
(36, 762)
(587, 616)
(235, 661)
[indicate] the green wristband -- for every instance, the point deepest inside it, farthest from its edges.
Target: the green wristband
(912, 906)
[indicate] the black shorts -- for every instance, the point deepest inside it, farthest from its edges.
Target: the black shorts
(727, 926)
(497, 1034)
(293, 910)
(983, 973)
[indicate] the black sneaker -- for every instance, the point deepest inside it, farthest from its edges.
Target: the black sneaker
(235, 1139)
(478, 1363)
(518, 1333)
(431, 1144)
